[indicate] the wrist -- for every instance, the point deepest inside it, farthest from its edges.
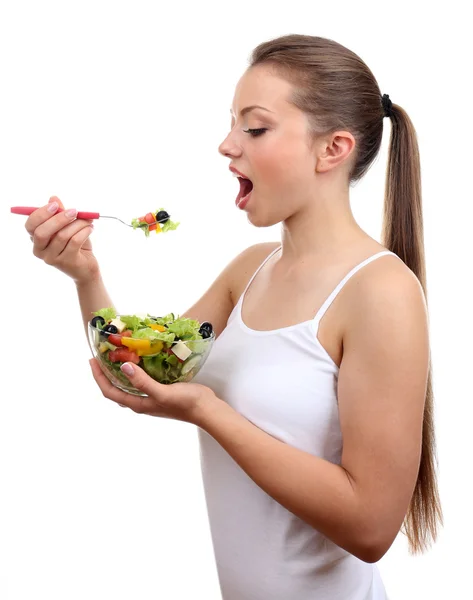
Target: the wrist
(209, 412)
(92, 279)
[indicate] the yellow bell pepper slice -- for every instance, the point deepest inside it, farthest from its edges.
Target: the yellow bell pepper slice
(103, 347)
(157, 327)
(154, 349)
(136, 344)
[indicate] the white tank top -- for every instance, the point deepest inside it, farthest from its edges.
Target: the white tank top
(285, 382)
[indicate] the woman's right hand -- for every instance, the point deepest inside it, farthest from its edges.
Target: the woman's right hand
(63, 241)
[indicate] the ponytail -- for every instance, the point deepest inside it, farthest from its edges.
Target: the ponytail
(403, 234)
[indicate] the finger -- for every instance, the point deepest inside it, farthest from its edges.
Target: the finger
(70, 234)
(146, 384)
(76, 242)
(138, 404)
(56, 199)
(52, 222)
(42, 214)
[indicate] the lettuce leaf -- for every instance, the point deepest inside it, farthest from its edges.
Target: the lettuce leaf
(132, 322)
(166, 319)
(169, 226)
(137, 224)
(146, 333)
(163, 367)
(153, 365)
(198, 346)
(106, 313)
(172, 360)
(185, 328)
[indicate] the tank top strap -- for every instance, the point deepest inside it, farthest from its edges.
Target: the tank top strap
(323, 309)
(258, 270)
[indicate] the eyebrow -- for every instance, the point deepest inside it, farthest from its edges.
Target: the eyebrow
(247, 109)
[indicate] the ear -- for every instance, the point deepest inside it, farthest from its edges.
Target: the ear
(334, 150)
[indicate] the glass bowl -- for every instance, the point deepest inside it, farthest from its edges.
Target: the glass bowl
(165, 362)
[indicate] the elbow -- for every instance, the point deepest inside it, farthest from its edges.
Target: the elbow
(371, 554)
(372, 550)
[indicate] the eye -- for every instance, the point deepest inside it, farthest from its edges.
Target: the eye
(255, 132)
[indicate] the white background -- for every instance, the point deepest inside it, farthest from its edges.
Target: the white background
(119, 108)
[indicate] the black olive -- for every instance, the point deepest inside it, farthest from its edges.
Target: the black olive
(162, 216)
(96, 320)
(205, 333)
(108, 329)
(206, 325)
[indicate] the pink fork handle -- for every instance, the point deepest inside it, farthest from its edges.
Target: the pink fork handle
(27, 210)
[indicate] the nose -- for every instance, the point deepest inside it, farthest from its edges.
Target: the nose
(229, 148)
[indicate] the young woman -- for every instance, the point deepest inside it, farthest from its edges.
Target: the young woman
(315, 407)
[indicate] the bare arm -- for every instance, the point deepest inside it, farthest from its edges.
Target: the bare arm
(92, 296)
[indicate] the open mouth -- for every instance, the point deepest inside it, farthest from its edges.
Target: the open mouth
(245, 188)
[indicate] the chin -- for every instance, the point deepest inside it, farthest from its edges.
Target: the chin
(264, 220)
(258, 218)
(261, 222)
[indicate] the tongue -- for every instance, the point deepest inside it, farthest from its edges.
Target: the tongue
(245, 188)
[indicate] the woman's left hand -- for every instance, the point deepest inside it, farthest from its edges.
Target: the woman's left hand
(180, 401)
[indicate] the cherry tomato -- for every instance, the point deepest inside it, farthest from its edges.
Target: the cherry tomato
(123, 355)
(115, 339)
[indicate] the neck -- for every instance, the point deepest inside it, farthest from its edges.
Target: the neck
(324, 227)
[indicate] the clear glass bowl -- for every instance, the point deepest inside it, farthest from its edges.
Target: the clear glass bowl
(163, 365)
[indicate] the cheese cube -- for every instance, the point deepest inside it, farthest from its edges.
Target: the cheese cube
(181, 350)
(120, 325)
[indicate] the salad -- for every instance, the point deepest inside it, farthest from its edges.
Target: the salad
(169, 348)
(150, 222)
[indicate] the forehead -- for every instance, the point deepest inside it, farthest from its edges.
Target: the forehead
(259, 85)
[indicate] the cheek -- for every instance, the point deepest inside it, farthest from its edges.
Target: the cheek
(281, 166)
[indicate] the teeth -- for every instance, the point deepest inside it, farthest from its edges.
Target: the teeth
(238, 176)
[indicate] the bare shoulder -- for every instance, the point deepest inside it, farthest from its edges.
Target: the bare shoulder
(386, 315)
(385, 289)
(245, 264)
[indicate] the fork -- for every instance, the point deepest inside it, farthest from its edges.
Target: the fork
(27, 210)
